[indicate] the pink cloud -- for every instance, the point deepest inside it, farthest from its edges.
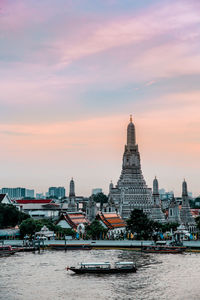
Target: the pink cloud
(158, 20)
(168, 60)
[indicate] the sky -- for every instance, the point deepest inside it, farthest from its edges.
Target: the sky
(71, 73)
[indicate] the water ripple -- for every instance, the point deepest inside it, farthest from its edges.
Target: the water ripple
(43, 276)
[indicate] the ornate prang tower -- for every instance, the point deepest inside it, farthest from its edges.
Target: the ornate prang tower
(157, 214)
(131, 190)
(174, 213)
(185, 214)
(72, 206)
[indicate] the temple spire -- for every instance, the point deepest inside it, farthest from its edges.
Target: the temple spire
(184, 189)
(131, 134)
(155, 187)
(72, 188)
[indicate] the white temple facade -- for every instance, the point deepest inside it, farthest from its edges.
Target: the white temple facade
(157, 213)
(131, 191)
(72, 203)
(174, 213)
(185, 214)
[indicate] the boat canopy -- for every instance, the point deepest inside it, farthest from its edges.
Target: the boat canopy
(96, 264)
(125, 263)
(161, 242)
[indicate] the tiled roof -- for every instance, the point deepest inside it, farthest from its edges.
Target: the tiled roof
(195, 212)
(74, 219)
(36, 201)
(112, 220)
(2, 197)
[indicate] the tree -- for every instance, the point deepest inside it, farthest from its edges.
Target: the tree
(197, 220)
(29, 227)
(169, 226)
(10, 216)
(100, 198)
(95, 230)
(140, 224)
(144, 228)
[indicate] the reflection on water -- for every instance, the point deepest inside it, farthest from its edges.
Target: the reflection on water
(43, 276)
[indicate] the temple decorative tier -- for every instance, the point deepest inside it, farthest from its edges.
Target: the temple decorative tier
(72, 205)
(131, 191)
(185, 214)
(157, 214)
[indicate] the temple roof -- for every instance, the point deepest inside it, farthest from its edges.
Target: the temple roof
(34, 201)
(74, 219)
(2, 197)
(111, 220)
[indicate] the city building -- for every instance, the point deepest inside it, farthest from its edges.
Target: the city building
(30, 193)
(131, 191)
(14, 193)
(39, 208)
(40, 196)
(58, 192)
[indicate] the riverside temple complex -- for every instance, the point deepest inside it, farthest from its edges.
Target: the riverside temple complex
(131, 191)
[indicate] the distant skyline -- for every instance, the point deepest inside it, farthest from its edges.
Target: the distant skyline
(71, 73)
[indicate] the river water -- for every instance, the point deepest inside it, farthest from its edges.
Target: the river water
(29, 276)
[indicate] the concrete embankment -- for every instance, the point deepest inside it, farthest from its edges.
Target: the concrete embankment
(193, 246)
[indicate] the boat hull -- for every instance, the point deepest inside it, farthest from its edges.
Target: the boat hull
(171, 250)
(7, 253)
(102, 271)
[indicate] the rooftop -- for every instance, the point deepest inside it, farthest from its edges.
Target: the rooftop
(112, 220)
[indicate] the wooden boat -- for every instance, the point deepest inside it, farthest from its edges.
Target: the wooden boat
(104, 268)
(162, 249)
(6, 250)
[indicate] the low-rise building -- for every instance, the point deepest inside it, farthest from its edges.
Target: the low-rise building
(5, 199)
(45, 233)
(39, 208)
(113, 222)
(73, 220)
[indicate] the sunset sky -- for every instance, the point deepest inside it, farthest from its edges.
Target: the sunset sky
(71, 73)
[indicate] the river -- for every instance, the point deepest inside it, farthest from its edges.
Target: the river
(29, 276)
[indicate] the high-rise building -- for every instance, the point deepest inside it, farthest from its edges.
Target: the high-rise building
(131, 191)
(52, 191)
(40, 196)
(30, 193)
(58, 192)
(14, 193)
